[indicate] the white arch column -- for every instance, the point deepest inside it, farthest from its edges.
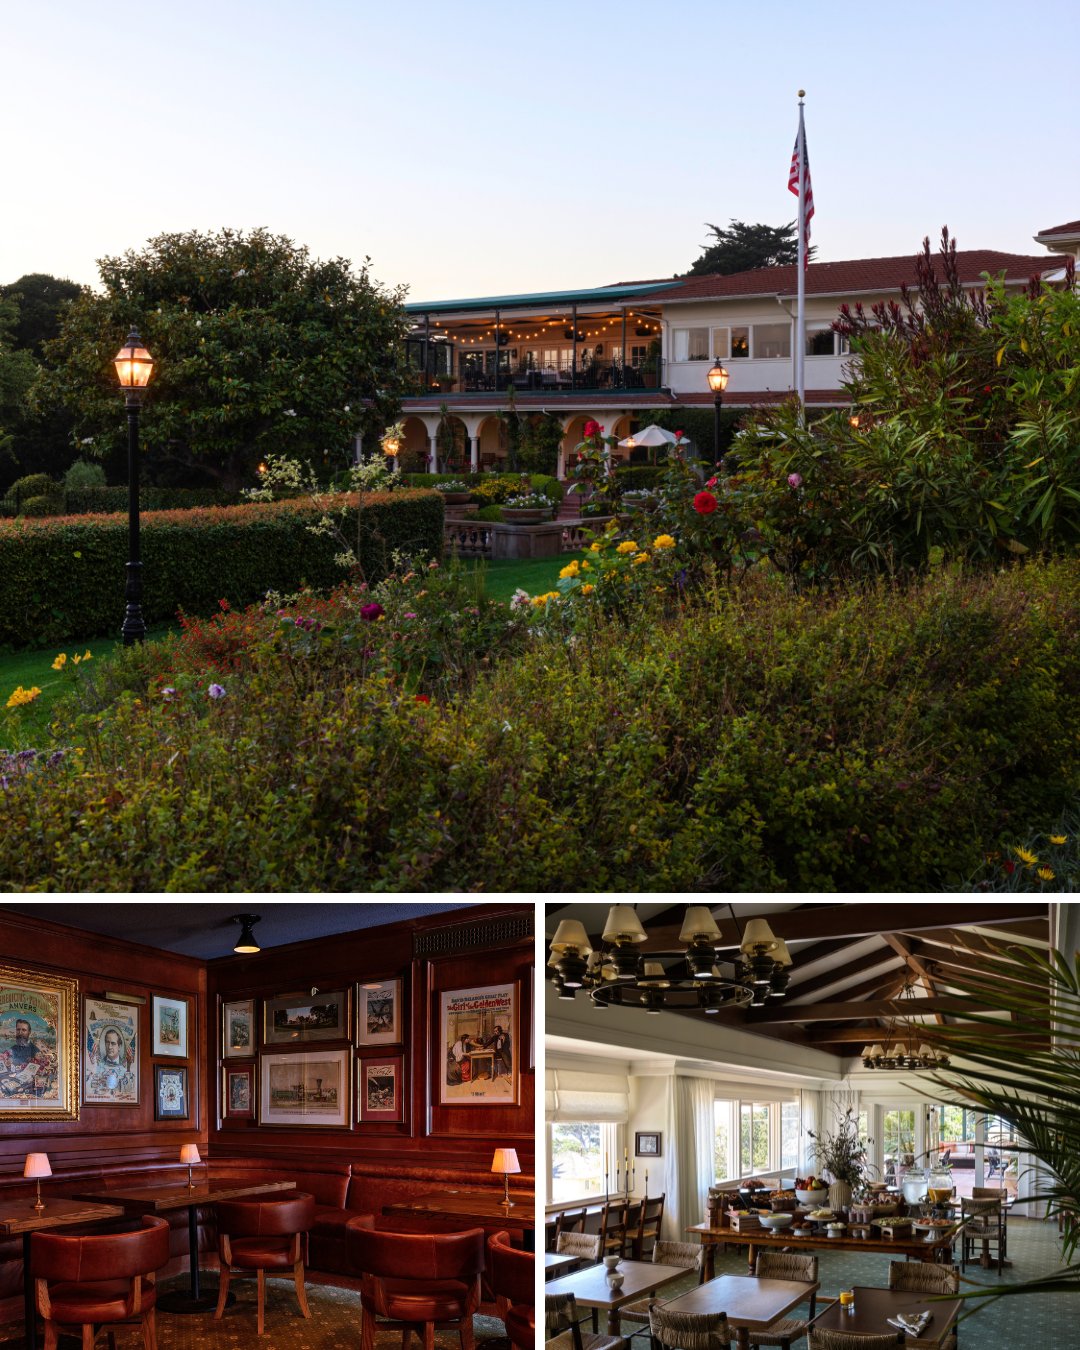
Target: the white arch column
(472, 423)
(431, 426)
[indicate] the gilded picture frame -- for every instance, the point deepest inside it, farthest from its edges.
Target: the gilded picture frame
(39, 1059)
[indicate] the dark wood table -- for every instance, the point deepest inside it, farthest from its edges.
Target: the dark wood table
(161, 1199)
(484, 1208)
(591, 1289)
(19, 1216)
(555, 1261)
(873, 1308)
(751, 1304)
(933, 1252)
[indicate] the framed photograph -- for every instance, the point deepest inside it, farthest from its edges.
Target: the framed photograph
(378, 1013)
(170, 1026)
(238, 1029)
(170, 1092)
(646, 1145)
(307, 1088)
(110, 1053)
(238, 1092)
(478, 1051)
(295, 1018)
(39, 1045)
(381, 1089)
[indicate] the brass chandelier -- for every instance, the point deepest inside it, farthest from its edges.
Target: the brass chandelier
(697, 975)
(900, 1047)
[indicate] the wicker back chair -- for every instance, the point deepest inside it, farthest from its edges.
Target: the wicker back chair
(562, 1331)
(983, 1220)
(690, 1331)
(568, 1221)
(786, 1266)
(919, 1277)
(687, 1255)
(583, 1245)
(820, 1339)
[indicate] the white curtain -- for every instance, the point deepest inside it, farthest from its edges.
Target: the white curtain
(692, 1132)
(810, 1119)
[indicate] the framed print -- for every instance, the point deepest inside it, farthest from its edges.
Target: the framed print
(382, 1089)
(170, 1026)
(238, 1029)
(309, 1088)
(39, 1045)
(238, 1092)
(110, 1052)
(378, 1013)
(478, 1050)
(170, 1092)
(646, 1145)
(295, 1018)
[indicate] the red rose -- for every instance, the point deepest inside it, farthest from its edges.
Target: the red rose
(678, 435)
(705, 503)
(711, 482)
(592, 429)
(422, 698)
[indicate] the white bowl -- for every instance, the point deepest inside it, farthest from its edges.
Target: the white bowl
(777, 1221)
(612, 1261)
(813, 1197)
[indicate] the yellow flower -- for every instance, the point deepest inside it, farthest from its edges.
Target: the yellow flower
(1045, 874)
(627, 546)
(61, 661)
(570, 570)
(585, 564)
(594, 547)
(1058, 838)
(21, 696)
(641, 557)
(663, 541)
(88, 655)
(1026, 856)
(587, 589)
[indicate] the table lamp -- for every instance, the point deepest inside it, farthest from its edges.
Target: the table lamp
(506, 1161)
(37, 1166)
(189, 1153)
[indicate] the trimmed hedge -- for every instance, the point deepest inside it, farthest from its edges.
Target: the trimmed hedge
(632, 476)
(94, 500)
(509, 483)
(63, 577)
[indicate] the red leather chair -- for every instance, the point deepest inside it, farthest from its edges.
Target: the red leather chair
(261, 1235)
(513, 1276)
(417, 1280)
(99, 1279)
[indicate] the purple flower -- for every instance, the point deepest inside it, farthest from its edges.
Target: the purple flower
(794, 480)
(168, 693)
(26, 755)
(410, 616)
(216, 691)
(54, 759)
(372, 611)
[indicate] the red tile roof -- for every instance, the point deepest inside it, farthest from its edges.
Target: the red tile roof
(1070, 227)
(855, 277)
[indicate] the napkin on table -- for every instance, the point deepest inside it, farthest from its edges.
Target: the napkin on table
(913, 1325)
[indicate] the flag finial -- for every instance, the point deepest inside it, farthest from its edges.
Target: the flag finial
(802, 93)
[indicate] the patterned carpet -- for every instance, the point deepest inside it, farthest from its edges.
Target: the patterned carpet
(1036, 1321)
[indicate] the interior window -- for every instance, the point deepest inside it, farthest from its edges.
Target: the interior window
(740, 342)
(820, 342)
(690, 344)
(772, 340)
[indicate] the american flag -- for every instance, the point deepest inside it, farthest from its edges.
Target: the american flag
(793, 184)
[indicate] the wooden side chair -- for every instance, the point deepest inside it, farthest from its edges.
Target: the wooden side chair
(567, 1221)
(562, 1329)
(616, 1222)
(850, 1340)
(983, 1222)
(262, 1235)
(647, 1233)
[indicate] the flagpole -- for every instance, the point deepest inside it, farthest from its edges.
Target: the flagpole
(800, 304)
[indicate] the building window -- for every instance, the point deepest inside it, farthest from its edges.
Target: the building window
(577, 1159)
(820, 342)
(690, 344)
(637, 356)
(753, 1138)
(740, 342)
(790, 1132)
(772, 341)
(723, 1138)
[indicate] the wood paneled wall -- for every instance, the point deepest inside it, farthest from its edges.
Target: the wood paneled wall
(111, 1135)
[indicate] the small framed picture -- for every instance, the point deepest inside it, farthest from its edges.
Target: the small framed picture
(378, 1013)
(238, 1092)
(170, 1026)
(382, 1089)
(297, 1018)
(110, 1052)
(312, 1087)
(170, 1092)
(238, 1029)
(646, 1145)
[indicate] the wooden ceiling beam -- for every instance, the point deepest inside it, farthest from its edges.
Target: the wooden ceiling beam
(828, 978)
(902, 947)
(854, 1011)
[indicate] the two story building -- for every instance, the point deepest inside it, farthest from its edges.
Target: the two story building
(614, 354)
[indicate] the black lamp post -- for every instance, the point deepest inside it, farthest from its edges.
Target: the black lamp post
(718, 378)
(133, 368)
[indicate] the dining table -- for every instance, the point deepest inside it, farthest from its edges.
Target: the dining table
(484, 1208)
(592, 1289)
(751, 1303)
(873, 1307)
(162, 1199)
(556, 1261)
(20, 1216)
(933, 1250)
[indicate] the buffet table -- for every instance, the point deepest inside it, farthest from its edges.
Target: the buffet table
(934, 1251)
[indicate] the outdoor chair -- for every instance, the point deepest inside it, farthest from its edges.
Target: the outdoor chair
(993, 1164)
(690, 1331)
(562, 1330)
(786, 1266)
(983, 1222)
(919, 1277)
(687, 1255)
(262, 1235)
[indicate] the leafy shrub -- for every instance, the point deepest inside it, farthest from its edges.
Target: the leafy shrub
(33, 485)
(63, 578)
(40, 506)
(93, 500)
(84, 474)
(36, 494)
(629, 477)
(746, 739)
(488, 513)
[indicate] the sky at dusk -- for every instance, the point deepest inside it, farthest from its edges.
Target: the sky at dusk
(496, 148)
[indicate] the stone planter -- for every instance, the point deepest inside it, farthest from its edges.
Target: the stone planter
(456, 498)
(526, 515)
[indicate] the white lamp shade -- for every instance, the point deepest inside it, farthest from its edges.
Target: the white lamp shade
(653, 973)
(867, 1052)
(925, 1052)
(505, 1160)
(758, 934)
(37, 1165)
(623, 925)
(782, 956)
(189, 1153)
(877, 1052)
(699, 923)
(570, 933)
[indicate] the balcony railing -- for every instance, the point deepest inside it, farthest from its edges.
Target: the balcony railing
(595, 376)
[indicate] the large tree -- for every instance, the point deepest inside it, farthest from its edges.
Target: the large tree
(259, 349)
(41, 299)
(742, 247)
(17, 371)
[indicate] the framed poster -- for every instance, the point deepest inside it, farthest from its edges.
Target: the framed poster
(238, 1029)
(238, 1092)
(310, 1088)
(478, 1050)
(170, 1092)
(381, 1089)
(170, 1026)
(39, 1045)
(646, 1145)
(295, 1018)
(110, 1053)
(378, 1013)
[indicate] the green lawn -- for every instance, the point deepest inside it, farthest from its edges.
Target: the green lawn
(535, 575)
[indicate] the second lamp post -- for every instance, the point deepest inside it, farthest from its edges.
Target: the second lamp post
(718, 378)
(133, 368)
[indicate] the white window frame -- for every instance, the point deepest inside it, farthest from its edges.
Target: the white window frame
(677, 334)
(775, 324)
(609, 1144)
(813, 328)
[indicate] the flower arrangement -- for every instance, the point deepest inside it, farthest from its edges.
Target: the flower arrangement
(452, 485)
(840, 1152)
(528, 500)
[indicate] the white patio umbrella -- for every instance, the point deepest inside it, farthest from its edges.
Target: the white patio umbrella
(651, 436)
